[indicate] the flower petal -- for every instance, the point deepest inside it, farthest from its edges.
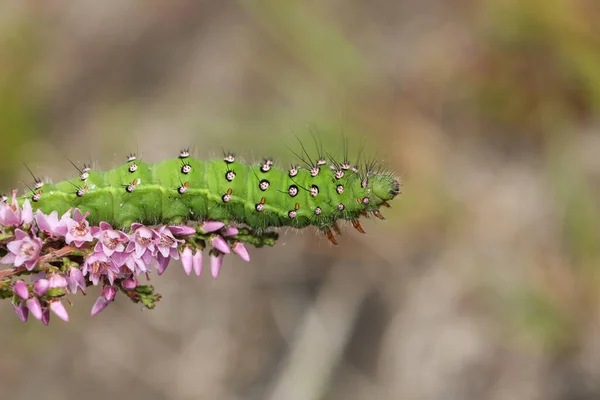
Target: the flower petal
(231, 231)
(220, 244)
(46, 317)
(197, 262)
(240, 250)
(20, 289)
(27, 214)
(210, 226)
(21, 311)
(99, 305)
(60, 311)
(41, 286)
(215, 264)
(182, 230)
(34, 306)
(187, 259)
(128, 284)
(109, 292)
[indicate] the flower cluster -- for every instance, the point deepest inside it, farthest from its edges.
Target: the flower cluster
(64, 255)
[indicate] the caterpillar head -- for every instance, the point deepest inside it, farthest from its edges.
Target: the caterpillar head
(384, 186)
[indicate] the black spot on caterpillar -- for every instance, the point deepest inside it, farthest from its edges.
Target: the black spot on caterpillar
(185, 188)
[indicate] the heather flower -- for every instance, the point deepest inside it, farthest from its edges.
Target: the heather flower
(27, 213)
(216, 261)
(231, 231)
(50, 224)
(33, 304)
(21, 311)
(109, 292)
(197, 262)
(46, 316)
(130, 260)
(57, 308)
(9, 216)
(239, 249)
(41, 286)
(109, 240)
(162, 263)
(99, 305)
(182, 230)
(57, 281)
(20, 289)
(210, 226)
(142, 239)
(78, 229)
(129, 284)
(109, 255)
(167, 244)
(12, 214)
(23, 251)
(97, 265)
(187, 259)
(75, 280)
(220, 244)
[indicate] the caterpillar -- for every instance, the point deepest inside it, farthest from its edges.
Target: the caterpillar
(318, 193)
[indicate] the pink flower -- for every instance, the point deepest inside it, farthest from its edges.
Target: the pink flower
(181, 230)
(215, 264)
(231, 231)
(46, 316)
(21, 311)
(27, 214)
(109, 292)
(99, 305)
(78, 229)
(210, 226)
(220, 244)
(141, 240)
(57, 308)
(166, 243)
(129, 284)
(109, 240)
(76, 280)
(135, 264)
(12, 214)
(33, 304)
(49, 224)
(20, 289)
(41, 286)
(197, 262)
(162, 263)
(97, 265)
(23, 251)
(240, 250)
(187, 259)
(57, 281)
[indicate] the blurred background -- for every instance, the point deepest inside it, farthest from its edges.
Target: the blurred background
(483, 282)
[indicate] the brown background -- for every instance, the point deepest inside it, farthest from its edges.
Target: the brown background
(483, 282)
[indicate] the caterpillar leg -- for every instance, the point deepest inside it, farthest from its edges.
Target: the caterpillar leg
(378, 214)
(357, 226)
(330, 236)
(336, 229)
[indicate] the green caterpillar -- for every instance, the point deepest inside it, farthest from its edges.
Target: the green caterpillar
(185, 188)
